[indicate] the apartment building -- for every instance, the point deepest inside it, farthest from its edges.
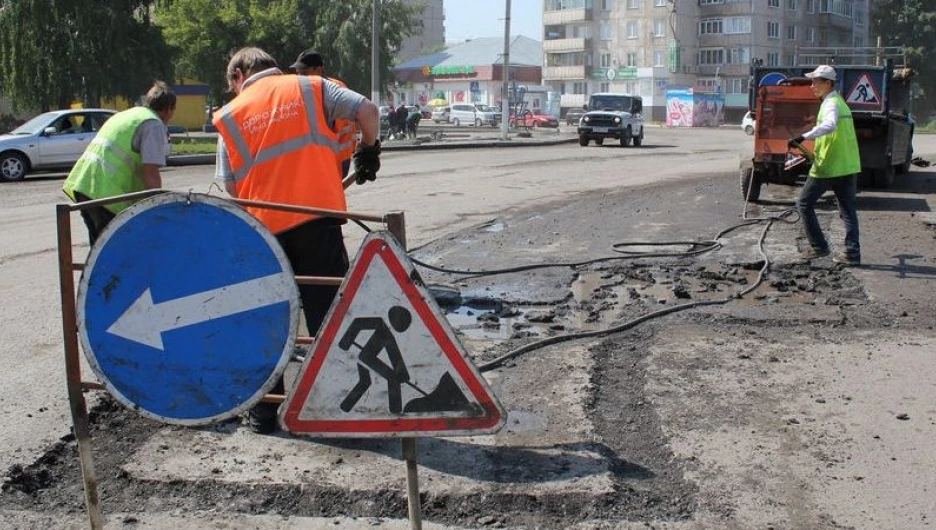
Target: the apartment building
(647, 46)
(432, 36)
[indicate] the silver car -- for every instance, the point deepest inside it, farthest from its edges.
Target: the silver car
(54, 140)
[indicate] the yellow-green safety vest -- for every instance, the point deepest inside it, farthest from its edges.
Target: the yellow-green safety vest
(109, 166)
(837, 152)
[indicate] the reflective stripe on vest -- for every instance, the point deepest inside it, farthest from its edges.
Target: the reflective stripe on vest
(109, 166)
(346, 131)
(837, 152)
(281, 148)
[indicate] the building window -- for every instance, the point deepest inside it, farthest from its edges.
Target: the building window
(860, 17)
(604, 60)
(773, 30)
(580, 87)
(633, 4)
(810, 6)
(604, 87)
(630, 59)
(659, 27)
(739, 56)
(630, 87)
(773, 58)
(606, 5)
(711, 56)
(791, 5)
(773, 3)
(735, 25)
(710, 2)
(791, 32)
(859, 42)
(710, 26)
(659, 58)
(660, 3)
(736, 85)
(604, 31)
(632, 29)
(810, 34)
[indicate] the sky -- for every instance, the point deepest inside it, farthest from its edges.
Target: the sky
(472, 19)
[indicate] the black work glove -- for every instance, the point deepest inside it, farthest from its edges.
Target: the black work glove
(795, 142)
(367, 162)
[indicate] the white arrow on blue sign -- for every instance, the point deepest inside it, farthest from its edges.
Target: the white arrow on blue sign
(187, 309)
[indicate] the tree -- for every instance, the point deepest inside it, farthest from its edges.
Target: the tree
(53, 51)
(911, 24)
(204, 33)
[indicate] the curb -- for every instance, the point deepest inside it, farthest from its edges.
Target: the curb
(206, 159)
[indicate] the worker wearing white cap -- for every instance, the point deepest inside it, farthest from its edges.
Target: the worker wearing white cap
(836, 166)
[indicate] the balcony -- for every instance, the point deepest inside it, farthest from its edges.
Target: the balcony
(565, 72)
(832, 20)
(573, 100)
(566, 16)
(565, 45)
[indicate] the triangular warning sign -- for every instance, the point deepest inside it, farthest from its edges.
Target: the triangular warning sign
(864, 93)
(386, 361)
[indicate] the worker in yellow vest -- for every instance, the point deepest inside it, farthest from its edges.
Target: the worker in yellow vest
(311, 62)
(836, 166)
(275, 145)
(124, 157)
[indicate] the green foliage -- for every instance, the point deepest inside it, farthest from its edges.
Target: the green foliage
(911, 24)
(53, 51)
(204, 33)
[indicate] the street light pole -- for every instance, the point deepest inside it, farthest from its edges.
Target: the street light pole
(505, 90)
(375, 54)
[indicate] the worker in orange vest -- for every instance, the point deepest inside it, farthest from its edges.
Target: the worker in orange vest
(311, 62)
(275, 145)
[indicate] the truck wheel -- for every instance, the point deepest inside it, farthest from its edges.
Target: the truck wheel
(638, 140)
(583, 140)
(626, 137)
(750, 184)
(883, 177)
(599, 141)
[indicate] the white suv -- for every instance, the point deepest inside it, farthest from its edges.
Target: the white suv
(468, 114)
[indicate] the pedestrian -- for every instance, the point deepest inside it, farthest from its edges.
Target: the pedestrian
(401, 114)
(311, 62)
(835, 166)
(412, 122)
(271, 110)
(124, 157)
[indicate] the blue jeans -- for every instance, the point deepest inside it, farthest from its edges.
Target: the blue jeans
(846, 190)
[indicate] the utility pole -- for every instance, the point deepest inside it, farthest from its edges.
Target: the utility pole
(505, 101)
(375, 54)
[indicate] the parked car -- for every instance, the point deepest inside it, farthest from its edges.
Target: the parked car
(748, 124)
(573, 116)
(534, 118)
(469, 114)
(496, 111)
(441, 114)
(54, 140)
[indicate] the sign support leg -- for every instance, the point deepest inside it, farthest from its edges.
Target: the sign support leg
(412, 483)
(79, 410)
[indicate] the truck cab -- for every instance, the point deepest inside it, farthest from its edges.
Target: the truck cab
(611, 115)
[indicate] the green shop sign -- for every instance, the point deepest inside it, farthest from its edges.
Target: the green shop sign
(611, 74)
(452, 70)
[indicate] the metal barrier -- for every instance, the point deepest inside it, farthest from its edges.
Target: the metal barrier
(393, 221)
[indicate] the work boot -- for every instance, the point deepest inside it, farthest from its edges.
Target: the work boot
(262, 418)
(847, 260)
(815, 253)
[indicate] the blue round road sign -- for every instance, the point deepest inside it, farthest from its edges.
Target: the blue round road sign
(187, 309)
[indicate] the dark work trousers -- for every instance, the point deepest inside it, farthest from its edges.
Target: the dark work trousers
(846, 190)
(314, 248)
(95, 218)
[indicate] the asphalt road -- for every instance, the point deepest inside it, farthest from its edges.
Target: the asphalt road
(443, 194)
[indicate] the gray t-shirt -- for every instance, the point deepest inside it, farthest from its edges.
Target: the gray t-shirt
(152, 141)
(340, 104)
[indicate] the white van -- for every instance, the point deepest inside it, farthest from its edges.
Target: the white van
(468, 114)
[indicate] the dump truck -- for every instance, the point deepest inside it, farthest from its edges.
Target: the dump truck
(784, 107)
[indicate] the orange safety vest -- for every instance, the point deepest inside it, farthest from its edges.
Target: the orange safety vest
(281, 148)
(346, 131)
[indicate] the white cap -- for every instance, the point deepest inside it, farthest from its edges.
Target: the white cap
(823, 71)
